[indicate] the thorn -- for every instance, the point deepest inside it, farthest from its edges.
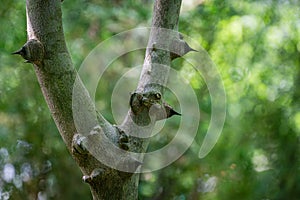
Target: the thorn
(170, 111)
(32, 51)
(95, 173)
(173, 112)
(17, 52)
(188, 48)
(179, 48)
(86, 179)
(165, 111)
(191, 49)
(79, 144)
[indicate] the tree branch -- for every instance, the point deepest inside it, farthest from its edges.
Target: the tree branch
(155, 70)
(46, 50)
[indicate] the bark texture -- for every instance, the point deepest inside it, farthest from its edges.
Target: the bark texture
(56, 75)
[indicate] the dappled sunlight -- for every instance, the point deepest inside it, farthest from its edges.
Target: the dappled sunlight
(260, 161)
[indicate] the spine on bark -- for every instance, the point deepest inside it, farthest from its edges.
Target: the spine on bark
(32, 51)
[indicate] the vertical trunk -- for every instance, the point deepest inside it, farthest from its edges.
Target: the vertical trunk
(56, 75)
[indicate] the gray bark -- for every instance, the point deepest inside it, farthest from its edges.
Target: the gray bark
(56, 75)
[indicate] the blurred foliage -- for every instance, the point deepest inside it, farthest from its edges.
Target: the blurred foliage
(255, 45)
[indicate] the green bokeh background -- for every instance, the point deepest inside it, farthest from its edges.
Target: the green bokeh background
(256, 48)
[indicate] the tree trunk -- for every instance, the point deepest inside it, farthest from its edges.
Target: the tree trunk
(46, 50)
